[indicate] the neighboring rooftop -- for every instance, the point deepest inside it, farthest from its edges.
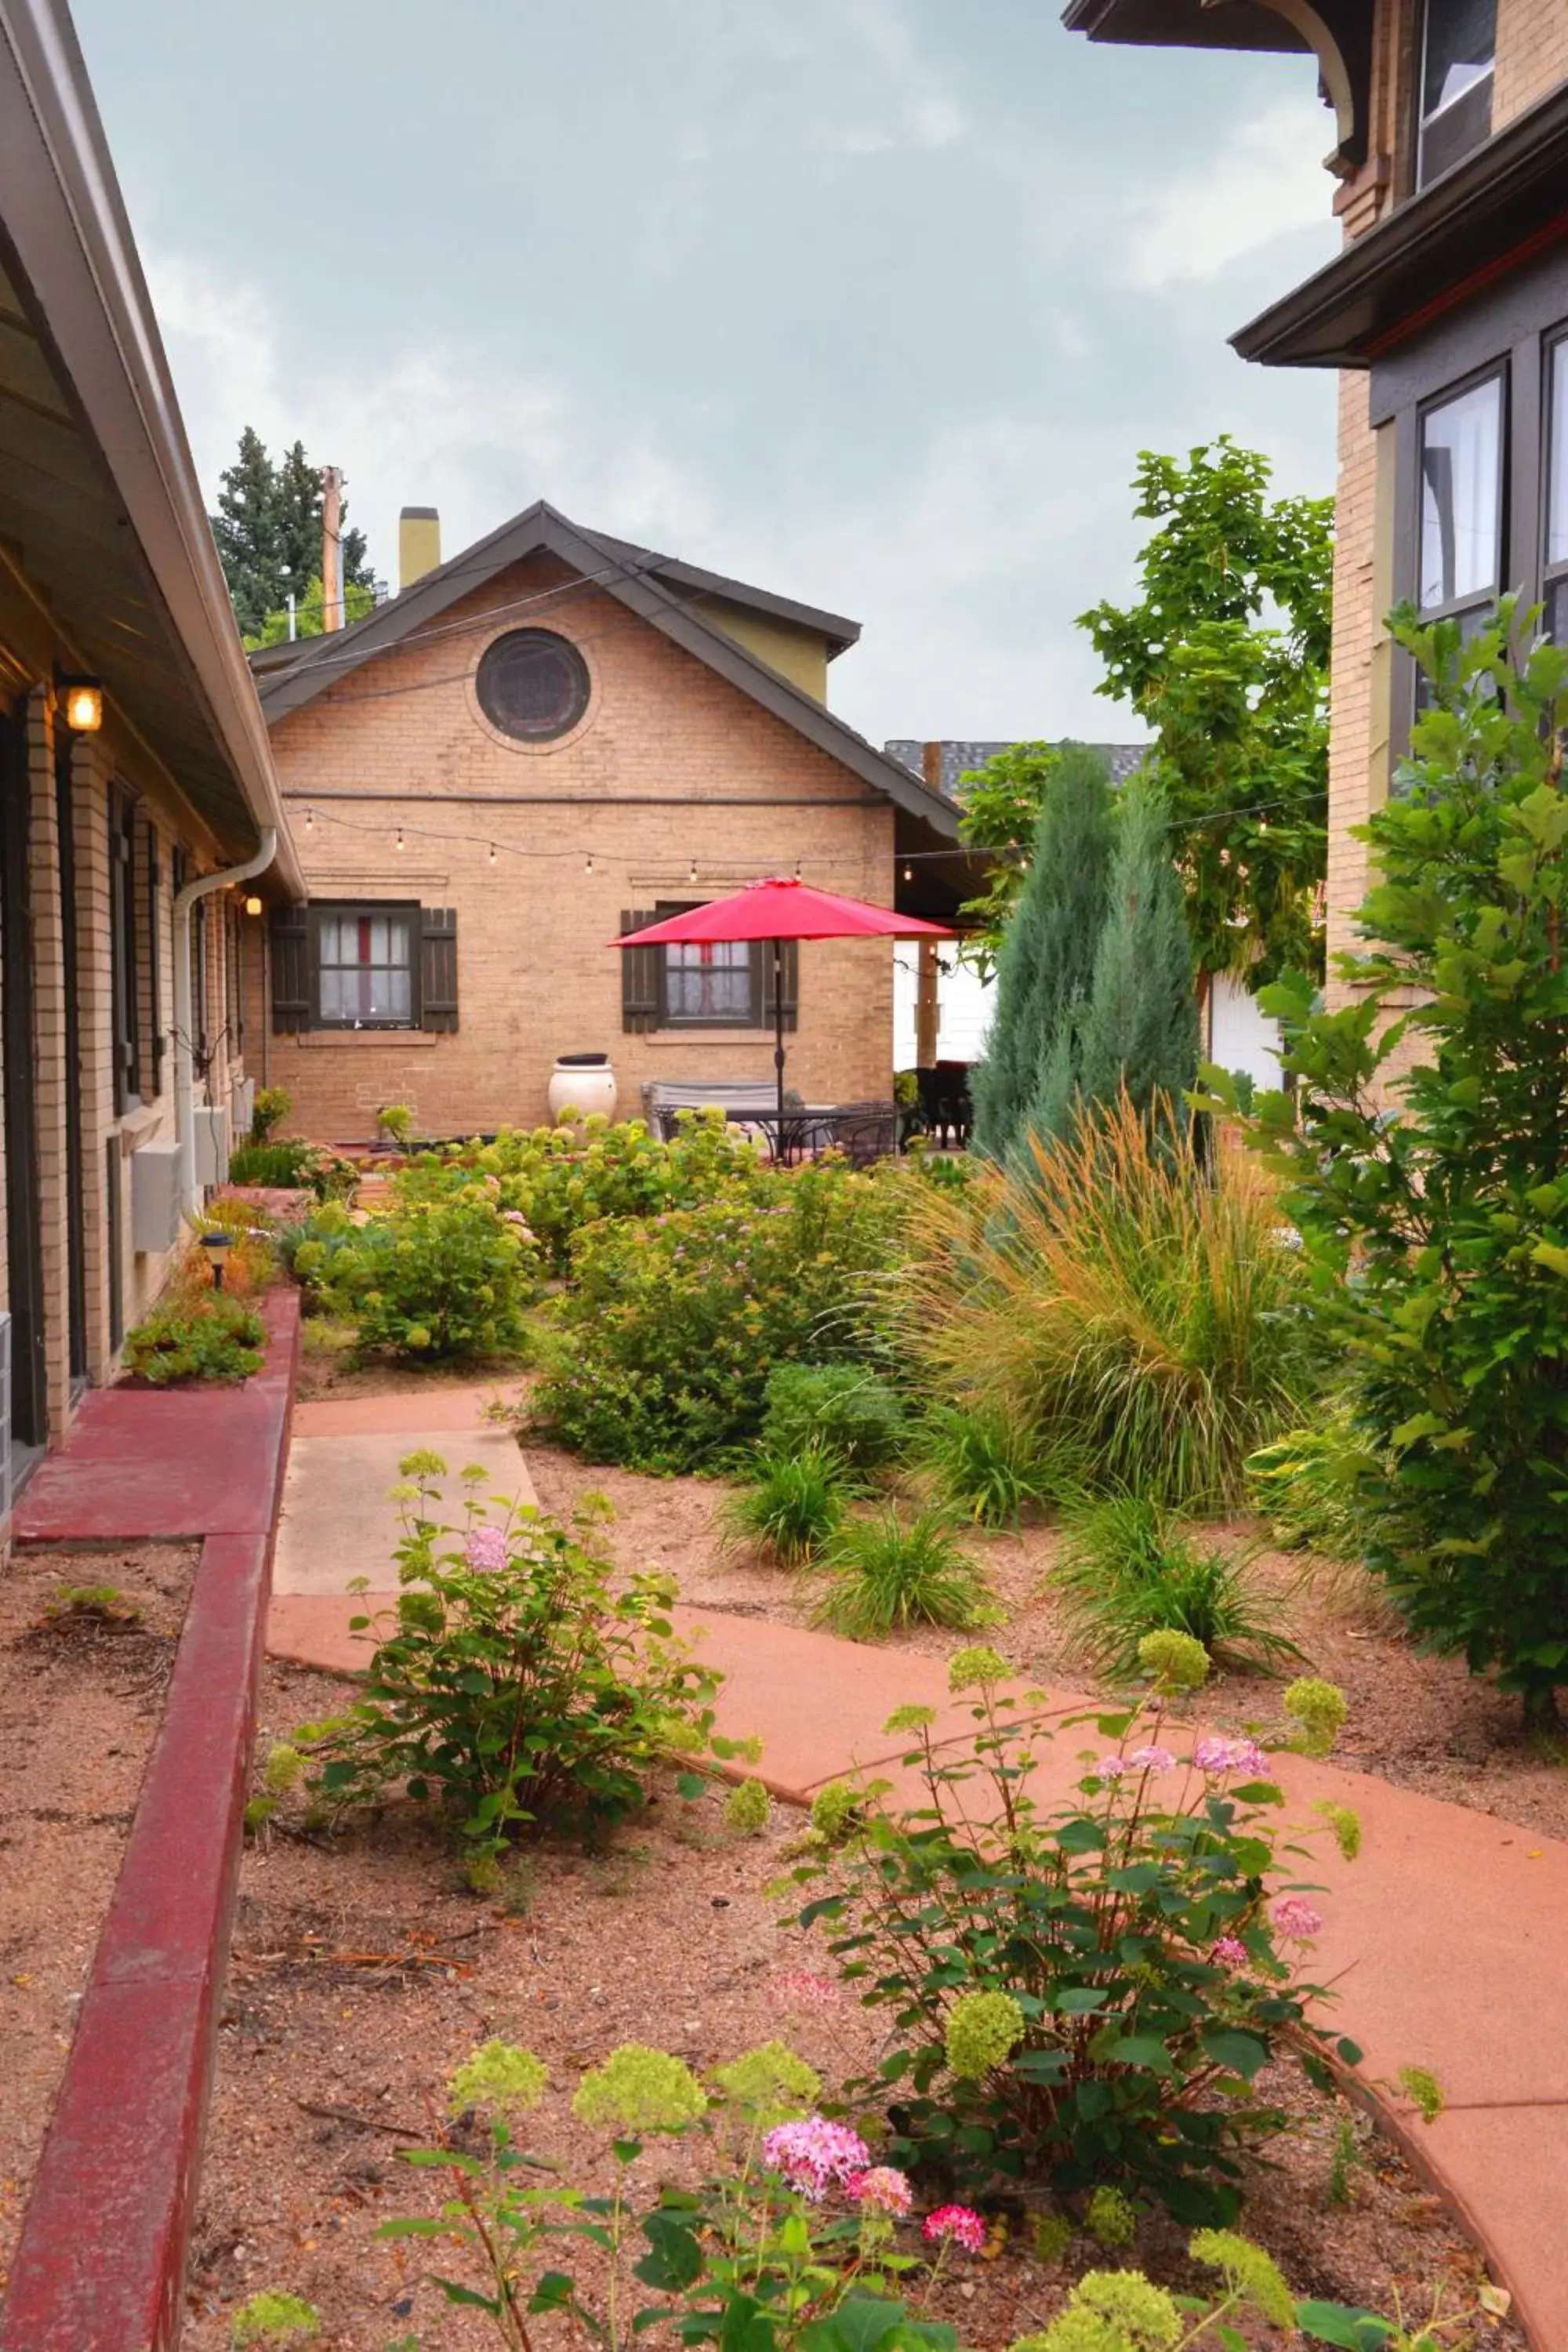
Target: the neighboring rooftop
(941, 764)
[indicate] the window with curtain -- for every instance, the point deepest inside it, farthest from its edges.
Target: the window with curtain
(365, 959)
(1461, 564)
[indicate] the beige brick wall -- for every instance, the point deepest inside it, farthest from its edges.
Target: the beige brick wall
(641, 787)
(1531, 55)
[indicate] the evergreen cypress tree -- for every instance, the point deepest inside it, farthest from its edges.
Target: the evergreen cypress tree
(1046, 960)
(1140, 1026)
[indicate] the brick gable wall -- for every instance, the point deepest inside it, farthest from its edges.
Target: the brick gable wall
(670, 765)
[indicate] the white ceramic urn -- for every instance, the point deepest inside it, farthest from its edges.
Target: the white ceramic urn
(583, 1083)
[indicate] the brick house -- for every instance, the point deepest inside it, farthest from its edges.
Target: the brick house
(528, 747)
(1445, 314)
(134, 766)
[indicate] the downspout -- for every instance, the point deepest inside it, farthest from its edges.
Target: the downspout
(201, 888)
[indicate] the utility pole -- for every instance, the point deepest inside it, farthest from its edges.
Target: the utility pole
(928, 1006)
(331, 547)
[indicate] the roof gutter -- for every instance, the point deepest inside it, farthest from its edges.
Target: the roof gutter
(184, 1090)
(67, 225)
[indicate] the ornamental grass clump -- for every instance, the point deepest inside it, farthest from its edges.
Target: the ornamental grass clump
(1080, 1994)
(987, 1462)
(881, 1572)
(791, 1506)
(1138, 1313)
(512, 1681)
(1125, 1570)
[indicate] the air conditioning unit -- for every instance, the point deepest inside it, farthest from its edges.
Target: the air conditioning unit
(154, 1197)
(242, 1107)
(210, 1129)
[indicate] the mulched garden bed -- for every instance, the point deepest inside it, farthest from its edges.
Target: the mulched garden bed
(363, 1970)
(81, 1696)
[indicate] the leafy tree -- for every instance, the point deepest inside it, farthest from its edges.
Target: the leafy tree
(310, 615)
(1224, 655)
(1001, 813)
(1428, 1154)
(269, 534)
(1046, 959)
(1140, 1027)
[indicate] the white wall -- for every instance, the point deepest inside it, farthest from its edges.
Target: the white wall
(1242, 1037)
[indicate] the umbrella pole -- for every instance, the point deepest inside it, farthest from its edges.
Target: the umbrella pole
(778, 1040)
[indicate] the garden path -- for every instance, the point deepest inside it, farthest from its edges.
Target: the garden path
(1444, 1942)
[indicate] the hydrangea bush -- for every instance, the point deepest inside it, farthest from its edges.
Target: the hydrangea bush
(513, 1681)
(1080, 1991)
(433, 1281)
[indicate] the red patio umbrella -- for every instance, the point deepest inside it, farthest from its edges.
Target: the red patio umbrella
(782, 909)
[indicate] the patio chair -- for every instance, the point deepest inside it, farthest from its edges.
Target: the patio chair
(664, 1097)
(863, 1131)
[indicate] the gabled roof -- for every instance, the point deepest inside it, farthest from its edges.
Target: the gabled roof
(665, 594)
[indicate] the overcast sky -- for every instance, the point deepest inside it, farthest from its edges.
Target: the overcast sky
(873, 302)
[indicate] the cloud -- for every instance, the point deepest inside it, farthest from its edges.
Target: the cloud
(453, 424)
(1267, 183)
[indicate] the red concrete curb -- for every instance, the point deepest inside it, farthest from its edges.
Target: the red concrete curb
(102, 2262)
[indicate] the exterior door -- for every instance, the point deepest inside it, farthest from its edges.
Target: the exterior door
(23, 1225)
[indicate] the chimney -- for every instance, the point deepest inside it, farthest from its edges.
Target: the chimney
(418, 544)
(931, 765)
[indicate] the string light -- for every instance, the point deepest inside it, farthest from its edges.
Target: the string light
(692, 876)
(310, 820)
(400, 837)
(797, 869)
(908, 873)
(492, 853)
(588, 863)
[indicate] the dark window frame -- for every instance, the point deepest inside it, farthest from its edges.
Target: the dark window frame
(756, 1018)
(493, 707)
(123, 958)
(1554, 570)
(1469, 105)
(336, 910)
(1456, 608)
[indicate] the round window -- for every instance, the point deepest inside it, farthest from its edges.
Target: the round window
(532, 685)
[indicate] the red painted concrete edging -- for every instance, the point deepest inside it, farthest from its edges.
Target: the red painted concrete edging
(100, 2265)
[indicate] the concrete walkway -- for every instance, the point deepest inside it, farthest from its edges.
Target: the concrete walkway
(1446, 1942)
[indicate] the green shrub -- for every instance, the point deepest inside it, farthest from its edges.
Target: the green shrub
(661, 1351)
(1125, 1570)
(988, 1463)
(1076, 1991)
(1140, 1311)
(271, 1107)
(206, 1337)
(444, 1279)
(1311, 1486)
(1439, 1236)
(843, 1407)
(514, 1681)
(310, 1166)
(882, 1575)
(792, 1506)
(565, 1177)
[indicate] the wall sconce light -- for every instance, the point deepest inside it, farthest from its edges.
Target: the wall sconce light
(83, 700)
(216, 1241)
(253, 906)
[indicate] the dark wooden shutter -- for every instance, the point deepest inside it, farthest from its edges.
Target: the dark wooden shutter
(123, 951)
(154, 1038)
(642, 970)
(291, 977)
(790, 973)
(437, 967)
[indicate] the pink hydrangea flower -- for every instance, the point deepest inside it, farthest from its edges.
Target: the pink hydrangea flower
(485, 1548)
(959, 2222)
(1219, 1757)
(1152, 1760)
(798, 1988)
(814, 2154)
(883, 2189)
(1229, 1952)
(1108, 1768)
(1296, 1919)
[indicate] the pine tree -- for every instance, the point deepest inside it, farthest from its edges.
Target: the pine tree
(1140, 1026)
(1046, 960)
(246, 529)
(269, 534)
